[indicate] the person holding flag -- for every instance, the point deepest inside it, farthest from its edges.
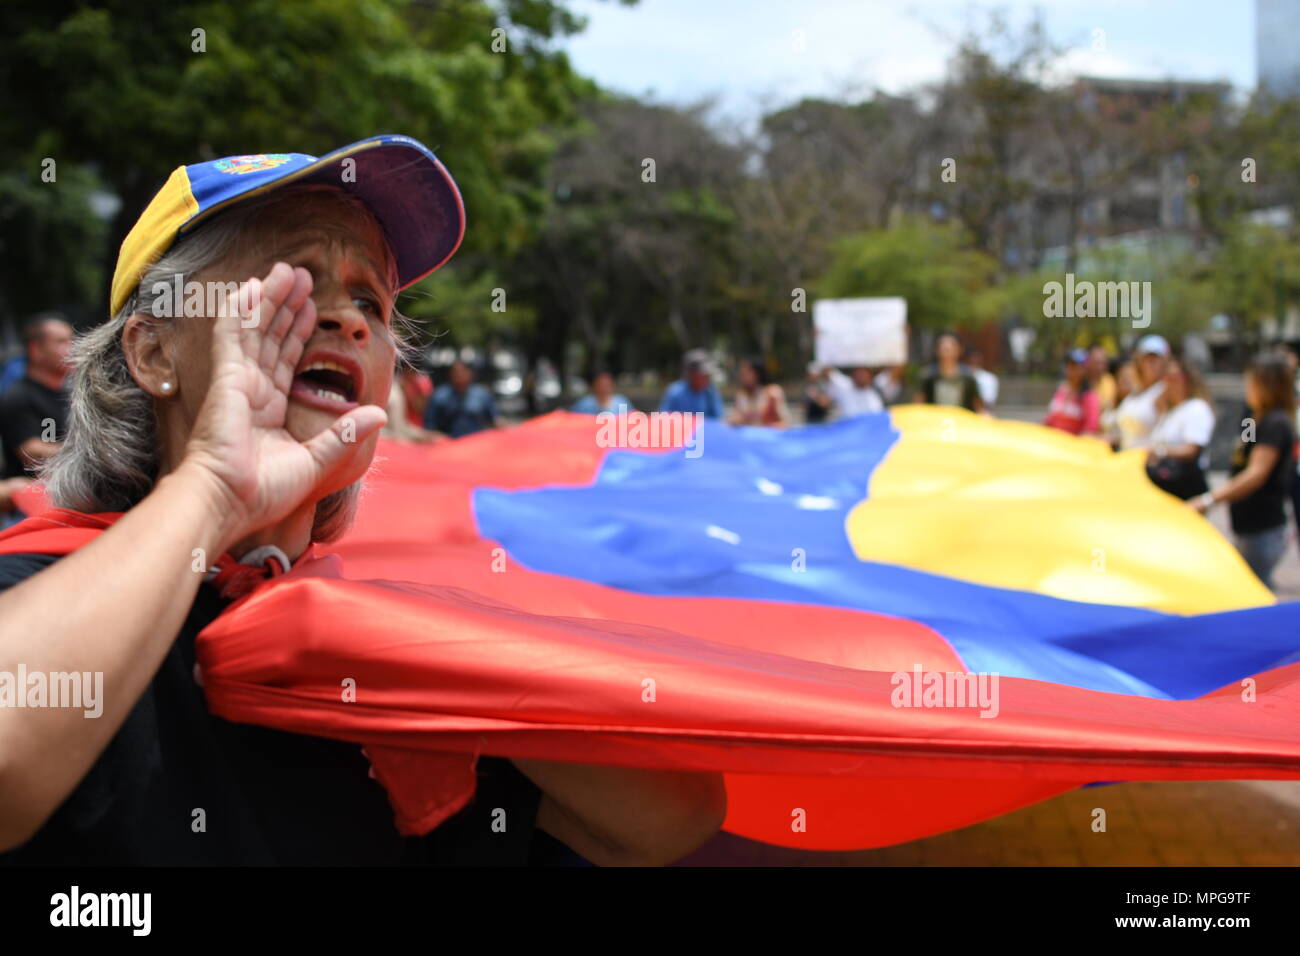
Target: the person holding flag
(206, 453)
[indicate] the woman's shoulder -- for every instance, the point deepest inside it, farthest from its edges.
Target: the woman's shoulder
(1193, 407)
(1278, 421)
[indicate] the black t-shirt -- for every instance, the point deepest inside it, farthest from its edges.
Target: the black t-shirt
(1265, 509)
(961, 390)
(266, 796)
(24, 411)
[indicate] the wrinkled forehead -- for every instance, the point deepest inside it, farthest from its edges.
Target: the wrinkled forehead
(296, 222)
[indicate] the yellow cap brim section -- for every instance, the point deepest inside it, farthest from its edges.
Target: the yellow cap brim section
(152, 234)
(175, 206)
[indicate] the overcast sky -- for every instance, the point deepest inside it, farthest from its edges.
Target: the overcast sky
(744, 51)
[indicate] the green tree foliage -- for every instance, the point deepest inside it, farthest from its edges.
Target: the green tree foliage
(630, 258)
(51, 241)
(946, 281)
(137, 94)
(1253, 268)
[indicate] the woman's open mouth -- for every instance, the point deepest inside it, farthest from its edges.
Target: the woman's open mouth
(330, 383)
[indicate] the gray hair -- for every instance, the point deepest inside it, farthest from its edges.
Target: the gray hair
(110, 459)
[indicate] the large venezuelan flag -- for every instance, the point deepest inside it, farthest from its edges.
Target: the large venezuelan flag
(746, 610)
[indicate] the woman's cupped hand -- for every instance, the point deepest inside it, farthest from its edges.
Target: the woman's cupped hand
(239, 441)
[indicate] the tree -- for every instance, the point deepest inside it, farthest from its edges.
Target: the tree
(136, 95)
(1254, 268)
(824, 170)
(630, 254)
(946, 281)
(51, 241)
(991, 107)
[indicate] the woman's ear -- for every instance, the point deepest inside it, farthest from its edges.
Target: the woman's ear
(147, 357)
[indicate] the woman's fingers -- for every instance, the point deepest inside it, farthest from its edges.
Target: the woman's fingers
(258, 307)
(291, 347)
(281, 320)
(258, 315)
(267, 321)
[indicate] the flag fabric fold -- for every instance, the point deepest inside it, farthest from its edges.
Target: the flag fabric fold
(759, 610)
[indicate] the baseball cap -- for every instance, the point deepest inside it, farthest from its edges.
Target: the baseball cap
(699, 360)
(1077, 356)
(1153, 345)
(404, 185)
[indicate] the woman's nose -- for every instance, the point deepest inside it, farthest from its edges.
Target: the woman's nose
(339, 314)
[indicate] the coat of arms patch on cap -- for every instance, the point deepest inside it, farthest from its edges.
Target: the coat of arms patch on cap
(250, 164)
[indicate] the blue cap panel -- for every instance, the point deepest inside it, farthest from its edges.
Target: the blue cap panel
(407, 188)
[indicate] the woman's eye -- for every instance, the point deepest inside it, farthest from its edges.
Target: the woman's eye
(367, 304)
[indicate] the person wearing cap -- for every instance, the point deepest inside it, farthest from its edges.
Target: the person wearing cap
(694, 392)
(1075, 407)
(247, 433)
(1137, 413)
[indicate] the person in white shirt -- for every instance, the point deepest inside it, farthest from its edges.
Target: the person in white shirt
(854, 395)
(1178, 456)
(1137, 413)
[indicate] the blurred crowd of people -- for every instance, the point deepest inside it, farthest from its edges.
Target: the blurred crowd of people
(1158, 401)
(1153, 400)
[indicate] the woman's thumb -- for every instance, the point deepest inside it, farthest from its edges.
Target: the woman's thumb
(345, 436)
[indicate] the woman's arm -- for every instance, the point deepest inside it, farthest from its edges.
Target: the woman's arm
(113, 607)
(1245, 483)
(618, 816)
(116, 605)
(1183, 452)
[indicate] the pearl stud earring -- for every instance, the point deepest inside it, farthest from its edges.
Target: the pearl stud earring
(166, 386)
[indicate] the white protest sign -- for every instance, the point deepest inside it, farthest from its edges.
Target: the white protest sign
(860, 331)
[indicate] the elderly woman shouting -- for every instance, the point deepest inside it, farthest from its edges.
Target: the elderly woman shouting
(245, 433)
